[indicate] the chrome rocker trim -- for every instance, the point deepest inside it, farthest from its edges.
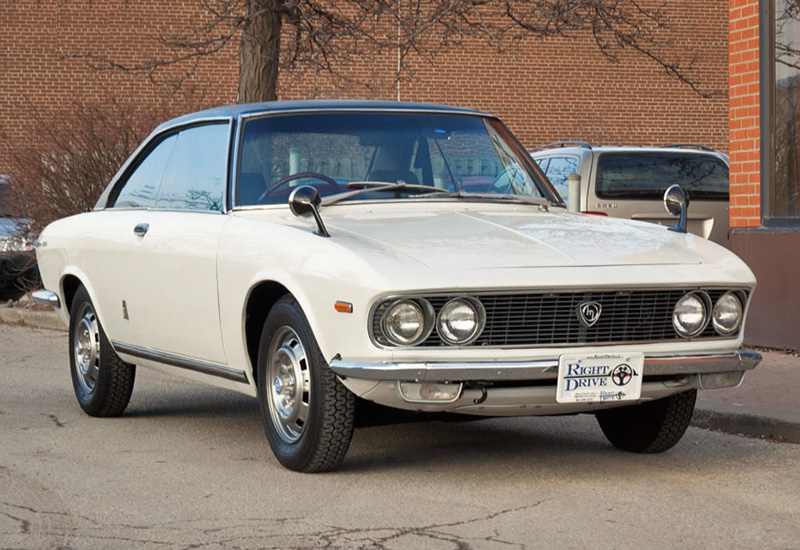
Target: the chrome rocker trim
(742, 360)
(204, 367)
(46, 298)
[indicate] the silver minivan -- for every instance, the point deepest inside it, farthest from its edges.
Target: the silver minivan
(629, 182)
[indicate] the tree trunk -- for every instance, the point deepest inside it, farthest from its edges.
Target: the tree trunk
(259, 52)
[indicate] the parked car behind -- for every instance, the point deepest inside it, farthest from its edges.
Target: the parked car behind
(311, 254)
(629, 182)
(17, 257)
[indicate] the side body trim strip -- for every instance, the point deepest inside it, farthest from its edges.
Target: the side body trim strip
(173, 360)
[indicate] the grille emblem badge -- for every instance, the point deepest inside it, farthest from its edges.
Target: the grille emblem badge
(589, 313)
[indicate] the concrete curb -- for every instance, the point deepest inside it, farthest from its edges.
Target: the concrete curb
(750, 425)
(31, 317)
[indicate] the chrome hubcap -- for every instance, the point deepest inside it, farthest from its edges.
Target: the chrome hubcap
(289, 394)
(86, 348)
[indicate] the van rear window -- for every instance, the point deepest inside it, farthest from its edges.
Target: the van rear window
(647, 175)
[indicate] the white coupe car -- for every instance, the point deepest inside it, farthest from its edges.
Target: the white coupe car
(315, 254)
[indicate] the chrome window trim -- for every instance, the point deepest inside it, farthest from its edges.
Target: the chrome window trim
(159, 133)
(173, 360)
(245, 117)
(346, 109)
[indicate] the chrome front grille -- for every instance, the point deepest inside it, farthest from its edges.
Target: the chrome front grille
(537, 319)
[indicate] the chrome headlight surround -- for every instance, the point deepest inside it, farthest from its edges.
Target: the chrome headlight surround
(691, 314)
(461, 306)
(402, 331)
(727, 304)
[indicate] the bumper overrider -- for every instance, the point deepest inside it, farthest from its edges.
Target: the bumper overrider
(527, 387)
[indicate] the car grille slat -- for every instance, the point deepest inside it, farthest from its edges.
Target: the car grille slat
(544, 319)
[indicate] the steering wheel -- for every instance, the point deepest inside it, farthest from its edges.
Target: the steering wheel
(328, 182)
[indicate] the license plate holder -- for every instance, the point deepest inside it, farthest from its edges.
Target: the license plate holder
(600, 377)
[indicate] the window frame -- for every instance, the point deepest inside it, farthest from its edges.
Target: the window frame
(226, 170)
(767, 89)
(109, 197)
(544, 186)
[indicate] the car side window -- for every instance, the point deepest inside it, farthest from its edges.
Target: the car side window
(558, 170)
(196, 172)
(141, 187)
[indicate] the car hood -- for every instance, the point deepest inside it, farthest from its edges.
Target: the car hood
(489, 236)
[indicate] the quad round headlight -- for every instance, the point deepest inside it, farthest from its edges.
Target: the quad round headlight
(404, 322)
(690, 315)
(461, 321)
(727, 314)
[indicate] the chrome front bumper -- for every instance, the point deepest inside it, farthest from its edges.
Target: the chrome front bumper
(742, 360)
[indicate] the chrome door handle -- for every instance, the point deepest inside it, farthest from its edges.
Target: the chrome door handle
(141, 229)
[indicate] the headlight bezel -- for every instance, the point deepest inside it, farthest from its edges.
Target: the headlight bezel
(480, 322)
(705, 301)
(426, 313)
(740, 315)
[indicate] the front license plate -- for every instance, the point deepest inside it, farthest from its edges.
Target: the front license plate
(599, 378)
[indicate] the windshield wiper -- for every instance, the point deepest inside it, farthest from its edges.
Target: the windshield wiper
(523, 199)
(426, 191)
(381, 186)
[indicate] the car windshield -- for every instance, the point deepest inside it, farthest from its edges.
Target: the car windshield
(339, 152)
(647, 175)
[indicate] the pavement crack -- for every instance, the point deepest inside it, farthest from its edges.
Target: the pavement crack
(55, 420)
(24, 524)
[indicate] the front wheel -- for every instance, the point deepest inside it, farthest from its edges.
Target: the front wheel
(651, 427)
(102, 381)
(308, 414)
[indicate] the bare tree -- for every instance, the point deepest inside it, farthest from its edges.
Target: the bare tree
(327, 36)
(67, 157)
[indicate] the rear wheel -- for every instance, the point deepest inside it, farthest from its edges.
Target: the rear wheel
(103, 382)
(308, 414)
(651, 427)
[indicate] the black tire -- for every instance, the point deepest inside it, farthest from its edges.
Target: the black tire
(103, 382)
(308, 414)
(651, 427)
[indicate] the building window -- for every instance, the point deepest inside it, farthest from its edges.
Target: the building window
(782, 192)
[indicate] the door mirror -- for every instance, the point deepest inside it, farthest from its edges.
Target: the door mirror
(676, 201)
(305, 200)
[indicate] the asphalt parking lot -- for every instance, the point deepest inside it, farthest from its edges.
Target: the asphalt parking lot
(188, 466)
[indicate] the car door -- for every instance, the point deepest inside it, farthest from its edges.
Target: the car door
(174, 305)
(107, 260)
(152, 259)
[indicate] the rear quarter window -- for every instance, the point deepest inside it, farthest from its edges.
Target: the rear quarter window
(648, 175)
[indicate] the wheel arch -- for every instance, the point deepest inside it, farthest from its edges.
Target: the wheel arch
(260, 300)
(69, 286)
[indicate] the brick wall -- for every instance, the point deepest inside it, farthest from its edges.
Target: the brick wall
(545, 90)
(745, 140)
(37, 70)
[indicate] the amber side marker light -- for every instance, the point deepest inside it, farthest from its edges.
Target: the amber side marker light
(343, 307)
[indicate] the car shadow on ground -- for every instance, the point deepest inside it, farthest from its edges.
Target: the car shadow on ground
(508, 444)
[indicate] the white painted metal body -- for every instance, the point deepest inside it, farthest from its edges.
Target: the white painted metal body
(376, 249)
